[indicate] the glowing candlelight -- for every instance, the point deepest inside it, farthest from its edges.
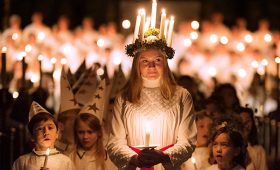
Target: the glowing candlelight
(213, 38)
(267, 38)
(170, 31)
(194, 35)
(142, 24)
(240, 47)
(53, 61)
(41, 36)
(147, 134)
(187, 42)
(15, 36)
(224, 40)
(46, 157)
(194, 163)
(162, 24)
(154, 14)
(63, 61)
(137, 25)
(195, 25)
(255, 64)
(242, 73)
(248, 38)
(28, 48)
(212, 71)
(277, 60)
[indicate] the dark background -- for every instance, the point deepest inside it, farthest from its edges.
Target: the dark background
(110, 10)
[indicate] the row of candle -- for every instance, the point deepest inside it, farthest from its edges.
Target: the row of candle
(143, 24)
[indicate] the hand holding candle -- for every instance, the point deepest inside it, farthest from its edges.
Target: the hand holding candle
(46, 157)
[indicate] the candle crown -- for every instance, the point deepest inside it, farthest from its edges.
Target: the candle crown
(150, 37)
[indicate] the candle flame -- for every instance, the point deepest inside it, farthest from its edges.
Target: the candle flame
(28, 48)
(193, 160)
(40, 57)
(148, 127)
(277, 60)
(53, 60)
(4, 49)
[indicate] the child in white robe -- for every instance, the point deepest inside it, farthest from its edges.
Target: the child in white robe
(44, 132)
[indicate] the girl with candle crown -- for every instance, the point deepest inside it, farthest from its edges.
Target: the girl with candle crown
(43, 129)
(152, 95)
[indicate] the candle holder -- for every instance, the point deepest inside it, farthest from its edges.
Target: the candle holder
(142, 147)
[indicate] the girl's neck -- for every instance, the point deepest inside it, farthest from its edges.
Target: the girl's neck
(226, 166)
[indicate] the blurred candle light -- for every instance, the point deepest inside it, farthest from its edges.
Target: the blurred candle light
(126, 24)
(117, 60)
(248, 38)
(28, 48)
(194, 35)
(264, 62)
(224, 40)
(194, 163)
(63, 61)
(242, 73)
(240, 47)
(277, 60)
(162, 23)
(187, 42)
(154, 14)
(166, 28)
(56, 75)
(142, 24)
(212, 71)
(15, 36)
(213, 38)
(41, 36)
(34, 78)
(195, 25)
(255, 64)
(100, 43)
(100, 71)
(15, 94)
(267, 38)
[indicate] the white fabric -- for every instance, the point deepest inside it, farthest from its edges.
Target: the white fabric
(215, 167)
(35, 160)
(88, 161)
(257, 156)
(201, 155)
(171, 122)
(151, 83)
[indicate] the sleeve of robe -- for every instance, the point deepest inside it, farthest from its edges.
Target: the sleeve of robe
(186, 138)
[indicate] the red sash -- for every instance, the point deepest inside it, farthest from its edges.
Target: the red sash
(138, 151)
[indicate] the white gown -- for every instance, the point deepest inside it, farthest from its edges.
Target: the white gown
(35, 160)
(171, 122)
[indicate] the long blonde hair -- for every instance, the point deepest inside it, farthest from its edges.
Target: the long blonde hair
(94, 123)
(132, 89)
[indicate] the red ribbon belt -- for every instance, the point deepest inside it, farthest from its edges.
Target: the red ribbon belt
(138, 151)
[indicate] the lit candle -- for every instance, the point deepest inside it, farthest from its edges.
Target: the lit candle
(194, 163)
(46, 157)
(147, 134)
(154, 14)
(53, 61)
(165, 28)
(162, 24)
(170, 32)
(142, 24)
(137, 25)
(147, 24)
(3, 71)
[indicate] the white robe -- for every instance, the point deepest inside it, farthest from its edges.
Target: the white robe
(257, 156)
(215, 167)
(35, 160)
(84, 160)
(172, 122)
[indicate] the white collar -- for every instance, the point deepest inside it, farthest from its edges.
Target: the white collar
(151, 83)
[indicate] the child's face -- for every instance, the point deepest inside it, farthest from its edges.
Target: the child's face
(45, 133)
(223, 150)
(86, 136)
(203, 131)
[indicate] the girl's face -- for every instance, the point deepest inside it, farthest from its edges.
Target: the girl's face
(203, 131)
(87, 137)
(45, 133)
(151, 64)
(224, 152)
(247, 122)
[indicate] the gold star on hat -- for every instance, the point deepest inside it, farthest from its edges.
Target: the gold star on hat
(96, 105)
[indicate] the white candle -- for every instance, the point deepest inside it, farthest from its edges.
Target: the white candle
(162, 24)
(154, 14)
(46, 157)
(170, 32)
(165, 28)
(137, 25)
(147, 24)
(147, 134)
(194, 163)
(142, 24)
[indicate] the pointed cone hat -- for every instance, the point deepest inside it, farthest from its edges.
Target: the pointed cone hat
(35, 109)
(96, 105)
(67, 99)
